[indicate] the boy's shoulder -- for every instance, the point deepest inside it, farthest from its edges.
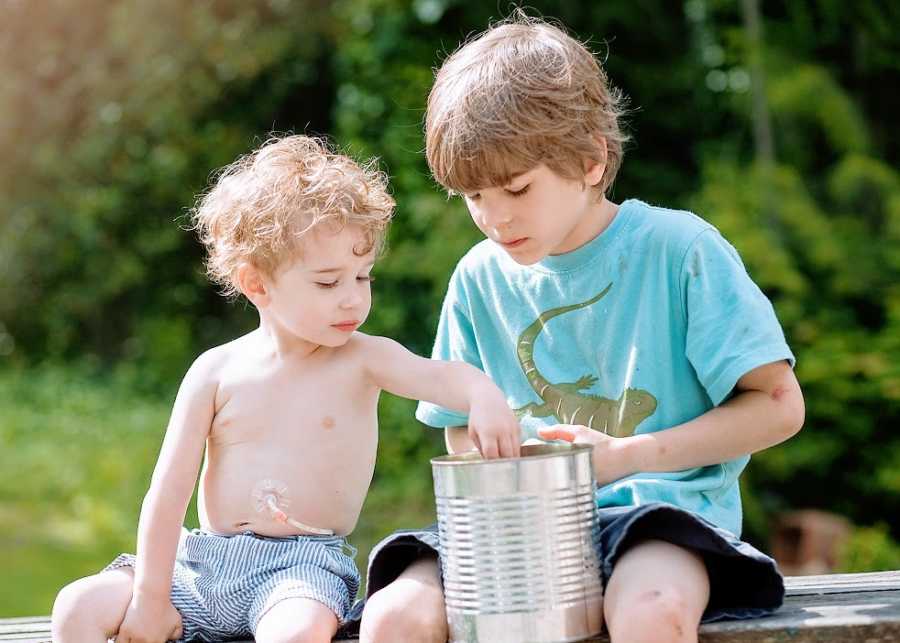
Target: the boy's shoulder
(210, 363)
(675, 225)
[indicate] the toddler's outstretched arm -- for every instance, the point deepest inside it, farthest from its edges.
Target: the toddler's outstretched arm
(459, 386)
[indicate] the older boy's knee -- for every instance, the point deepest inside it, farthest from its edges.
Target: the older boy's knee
(405, 610)
(663, 613)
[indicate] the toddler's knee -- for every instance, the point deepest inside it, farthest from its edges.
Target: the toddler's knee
(662, 614)
(306, 634)
(305, 631)
(397, 613)
(299, 627)
(70, 611)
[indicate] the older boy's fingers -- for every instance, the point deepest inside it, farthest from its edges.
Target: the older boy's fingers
(557, 432)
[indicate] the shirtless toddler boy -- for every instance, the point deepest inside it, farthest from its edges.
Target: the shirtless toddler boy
(286, 416)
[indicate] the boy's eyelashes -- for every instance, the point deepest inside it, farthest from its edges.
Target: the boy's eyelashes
(513, 193)
(332, 284)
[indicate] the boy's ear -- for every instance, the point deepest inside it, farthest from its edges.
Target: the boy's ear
(251, 284)
(594, 170)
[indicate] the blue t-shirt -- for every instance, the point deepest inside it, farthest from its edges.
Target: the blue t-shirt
(647, 326)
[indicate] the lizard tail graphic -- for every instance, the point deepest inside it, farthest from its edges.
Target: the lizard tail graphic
(525, 347)
(566, 401)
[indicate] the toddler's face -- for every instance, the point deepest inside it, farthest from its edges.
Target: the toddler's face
(538, 213)
(325, 294)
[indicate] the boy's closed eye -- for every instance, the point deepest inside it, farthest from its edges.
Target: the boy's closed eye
(332, 284)
(510, 191)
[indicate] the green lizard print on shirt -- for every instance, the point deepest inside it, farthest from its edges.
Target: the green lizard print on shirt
(618, 418)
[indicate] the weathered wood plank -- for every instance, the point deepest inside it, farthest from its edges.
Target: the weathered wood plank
(841, 583)
(34, 629)
(818, 609)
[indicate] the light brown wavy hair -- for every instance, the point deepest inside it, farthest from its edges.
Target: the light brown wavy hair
(520, 94)
(260, 207)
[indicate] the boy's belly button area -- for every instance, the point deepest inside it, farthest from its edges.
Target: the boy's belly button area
(271, 500)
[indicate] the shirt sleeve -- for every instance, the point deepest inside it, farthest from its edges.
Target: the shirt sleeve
(731, 324)
(455, 341)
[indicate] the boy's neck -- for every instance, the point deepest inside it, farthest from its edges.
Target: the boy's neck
(274, 342)
(595, 220)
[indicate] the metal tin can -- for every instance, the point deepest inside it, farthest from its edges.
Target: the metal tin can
(518, 550)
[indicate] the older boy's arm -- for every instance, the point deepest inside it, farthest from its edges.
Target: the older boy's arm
(767, 409)
(459, 386)
(173, 481)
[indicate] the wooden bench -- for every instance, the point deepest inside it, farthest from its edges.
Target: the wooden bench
(834, 608)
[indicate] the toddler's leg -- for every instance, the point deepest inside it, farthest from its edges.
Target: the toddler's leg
(657, 592)
(91, 609)
(410, 609)
(297, 620)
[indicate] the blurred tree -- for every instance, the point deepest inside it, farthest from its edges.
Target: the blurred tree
(115, 113)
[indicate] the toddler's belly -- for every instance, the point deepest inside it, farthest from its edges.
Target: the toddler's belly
(272, 497)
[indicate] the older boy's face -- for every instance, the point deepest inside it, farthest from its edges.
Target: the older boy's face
(325, 295)
(538, 213)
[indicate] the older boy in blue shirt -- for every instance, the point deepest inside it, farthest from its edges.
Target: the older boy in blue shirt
(627, 326)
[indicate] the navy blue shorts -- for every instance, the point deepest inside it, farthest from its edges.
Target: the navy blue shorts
(744, 582)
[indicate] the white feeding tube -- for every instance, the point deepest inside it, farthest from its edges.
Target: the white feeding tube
(270, 497)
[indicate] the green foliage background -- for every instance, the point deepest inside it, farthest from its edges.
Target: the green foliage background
(115, 113)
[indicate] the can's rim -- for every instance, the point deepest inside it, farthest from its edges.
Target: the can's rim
(529, 452)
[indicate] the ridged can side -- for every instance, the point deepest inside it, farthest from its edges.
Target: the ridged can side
(518, 547)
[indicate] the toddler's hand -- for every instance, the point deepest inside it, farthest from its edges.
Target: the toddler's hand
(493, 427)
(150, 621)
(609, 457)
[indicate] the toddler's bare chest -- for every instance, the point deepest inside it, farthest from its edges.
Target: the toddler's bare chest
(328, 413)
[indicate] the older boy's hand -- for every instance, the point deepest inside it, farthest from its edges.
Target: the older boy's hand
(610, 457)
(493, 427)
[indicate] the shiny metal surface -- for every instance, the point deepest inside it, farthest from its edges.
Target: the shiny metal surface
(517, 536)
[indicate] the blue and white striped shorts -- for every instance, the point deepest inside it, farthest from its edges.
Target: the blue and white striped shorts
(223, 585)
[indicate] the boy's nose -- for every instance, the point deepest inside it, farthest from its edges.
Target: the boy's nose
(352, 300)
(496, 218)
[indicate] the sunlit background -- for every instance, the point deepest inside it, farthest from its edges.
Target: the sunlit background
(776, 121)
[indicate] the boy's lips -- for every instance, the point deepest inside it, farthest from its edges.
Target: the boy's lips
(346, 326)
(513, 243)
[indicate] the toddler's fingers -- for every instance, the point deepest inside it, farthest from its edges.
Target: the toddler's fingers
(490, 449)
(473, 436)
(509, 447)
(517, 445)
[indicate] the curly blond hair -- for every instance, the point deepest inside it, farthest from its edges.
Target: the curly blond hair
(260, 207)
(520, 94)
